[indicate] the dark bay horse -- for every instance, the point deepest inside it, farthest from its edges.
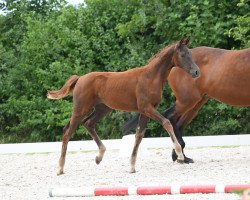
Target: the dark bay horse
(136, 90)
(225, 76)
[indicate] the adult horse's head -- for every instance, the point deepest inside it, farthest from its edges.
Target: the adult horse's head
(183, 58)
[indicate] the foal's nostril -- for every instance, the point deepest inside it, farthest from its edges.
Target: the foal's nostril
(196, 73)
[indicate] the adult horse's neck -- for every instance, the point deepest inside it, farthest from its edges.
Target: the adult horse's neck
(162, 62)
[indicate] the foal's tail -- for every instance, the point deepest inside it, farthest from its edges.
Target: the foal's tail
(65, 90)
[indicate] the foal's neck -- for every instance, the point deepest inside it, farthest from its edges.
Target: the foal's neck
(162, 62)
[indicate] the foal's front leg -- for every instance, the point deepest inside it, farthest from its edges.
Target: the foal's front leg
(154, 114)
(140, 130)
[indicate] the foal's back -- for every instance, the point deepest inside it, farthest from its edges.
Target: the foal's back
(117, 90)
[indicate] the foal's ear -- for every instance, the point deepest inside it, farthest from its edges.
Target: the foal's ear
(184, 41)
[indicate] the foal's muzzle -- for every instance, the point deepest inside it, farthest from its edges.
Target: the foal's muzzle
(195, 73)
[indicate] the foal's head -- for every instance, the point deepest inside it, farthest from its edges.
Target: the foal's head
(183, 58)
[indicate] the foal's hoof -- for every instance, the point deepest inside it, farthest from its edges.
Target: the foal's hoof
(60, 172)
(132, 171)
(97, 160)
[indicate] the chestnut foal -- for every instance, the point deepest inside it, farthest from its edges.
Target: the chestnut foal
(136, 90)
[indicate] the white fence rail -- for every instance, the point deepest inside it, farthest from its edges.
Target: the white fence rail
(126, 142)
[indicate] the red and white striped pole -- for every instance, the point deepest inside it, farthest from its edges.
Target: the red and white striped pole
(145, 190)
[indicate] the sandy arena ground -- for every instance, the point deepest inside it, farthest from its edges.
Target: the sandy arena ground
(29, 176)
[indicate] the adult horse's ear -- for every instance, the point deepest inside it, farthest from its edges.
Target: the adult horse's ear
(184, 41)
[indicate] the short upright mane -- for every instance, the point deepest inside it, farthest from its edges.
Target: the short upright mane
(161, 52)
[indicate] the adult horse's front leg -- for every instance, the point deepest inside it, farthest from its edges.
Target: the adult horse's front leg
(183, 119)
(138, 138)
(154, 114)
(173, 117)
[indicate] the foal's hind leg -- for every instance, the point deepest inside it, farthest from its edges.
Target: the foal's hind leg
(67, 132)
(89, 123)
(143, 120)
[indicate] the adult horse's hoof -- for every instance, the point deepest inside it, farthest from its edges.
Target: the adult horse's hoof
(186, 159)
(180, 161)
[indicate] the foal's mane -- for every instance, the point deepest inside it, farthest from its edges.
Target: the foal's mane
(161, 52)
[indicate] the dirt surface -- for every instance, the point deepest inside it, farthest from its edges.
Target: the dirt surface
(29, 176)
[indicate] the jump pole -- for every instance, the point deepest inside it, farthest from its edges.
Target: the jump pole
(145, 190)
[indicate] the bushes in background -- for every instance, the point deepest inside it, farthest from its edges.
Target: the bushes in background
(42, 43)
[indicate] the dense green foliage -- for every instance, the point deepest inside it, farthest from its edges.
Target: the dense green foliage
(43, 42)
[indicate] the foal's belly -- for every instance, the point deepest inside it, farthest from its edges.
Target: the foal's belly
(119, 98)
(119, 103)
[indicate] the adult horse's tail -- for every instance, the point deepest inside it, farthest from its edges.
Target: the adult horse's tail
(65, 90)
